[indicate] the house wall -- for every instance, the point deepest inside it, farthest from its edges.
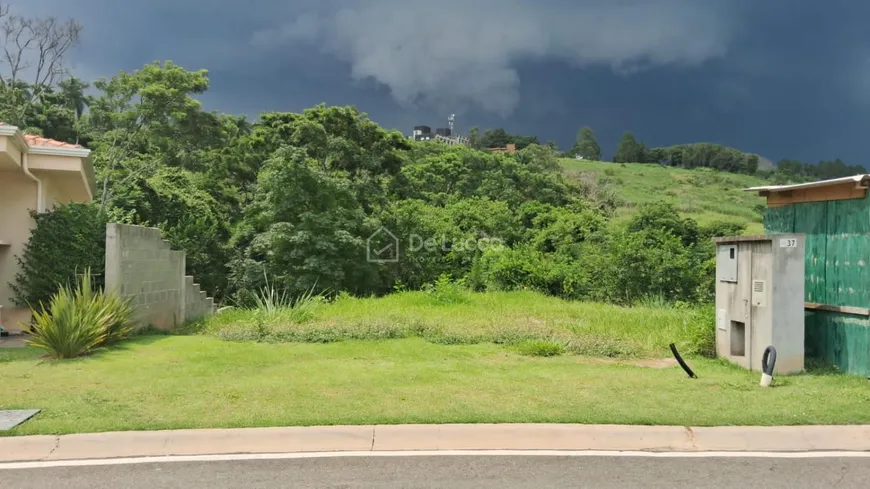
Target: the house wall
(57, 189)
(837, 273)
(17, 198)
(66, 174)
(10, 154)
(64, 179)
(141, 266)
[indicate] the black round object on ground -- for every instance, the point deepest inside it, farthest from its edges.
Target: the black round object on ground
(768, 356)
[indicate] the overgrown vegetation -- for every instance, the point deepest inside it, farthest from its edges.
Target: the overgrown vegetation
(299, 197)
(77, 320)
(525, 320)
(540, 348)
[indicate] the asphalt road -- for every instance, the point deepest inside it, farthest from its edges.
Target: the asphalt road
(501, 472)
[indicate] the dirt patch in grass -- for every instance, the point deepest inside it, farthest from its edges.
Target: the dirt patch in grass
(659, 363)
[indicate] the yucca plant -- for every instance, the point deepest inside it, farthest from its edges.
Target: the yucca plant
(79, 320)
(272, 304)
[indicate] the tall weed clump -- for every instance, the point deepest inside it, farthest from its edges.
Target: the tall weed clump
(272, 310)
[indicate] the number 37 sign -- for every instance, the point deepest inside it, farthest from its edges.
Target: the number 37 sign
(788, 243)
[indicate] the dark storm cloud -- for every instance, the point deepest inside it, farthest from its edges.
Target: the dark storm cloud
(780, 77)
(466, 53)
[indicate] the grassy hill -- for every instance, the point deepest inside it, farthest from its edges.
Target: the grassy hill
(702, 194)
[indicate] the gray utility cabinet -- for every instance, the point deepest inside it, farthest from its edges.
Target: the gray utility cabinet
(760, 300)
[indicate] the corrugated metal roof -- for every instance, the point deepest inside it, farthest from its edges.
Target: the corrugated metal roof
(856, 179)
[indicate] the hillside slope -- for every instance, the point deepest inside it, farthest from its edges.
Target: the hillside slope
(702, 194)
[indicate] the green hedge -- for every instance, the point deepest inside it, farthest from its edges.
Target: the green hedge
(66, 241)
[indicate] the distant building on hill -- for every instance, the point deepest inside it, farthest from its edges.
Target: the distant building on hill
(441, 134)
(422, 133)
(509, 148)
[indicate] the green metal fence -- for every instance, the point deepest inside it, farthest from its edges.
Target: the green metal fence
(837, 273)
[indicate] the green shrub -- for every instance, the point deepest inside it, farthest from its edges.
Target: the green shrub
(65, 241)
(517, 269)
(446, 291)
(540, 348)
(78, 320)
(721, 228)
(650, 263)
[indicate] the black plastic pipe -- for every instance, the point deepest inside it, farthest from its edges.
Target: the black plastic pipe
(683, 363)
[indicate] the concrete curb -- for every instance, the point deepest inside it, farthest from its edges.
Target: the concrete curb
(434, 438)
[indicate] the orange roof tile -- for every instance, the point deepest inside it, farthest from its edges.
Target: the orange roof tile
(51, 143)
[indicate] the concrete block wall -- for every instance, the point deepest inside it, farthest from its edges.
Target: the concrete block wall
(197, 303)
(141, 266)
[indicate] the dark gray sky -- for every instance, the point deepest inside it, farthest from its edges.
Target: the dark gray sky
(782, 78)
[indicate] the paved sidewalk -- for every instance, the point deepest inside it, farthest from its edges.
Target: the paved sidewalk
(434, 437)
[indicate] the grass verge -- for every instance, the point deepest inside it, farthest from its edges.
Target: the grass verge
(169, 382)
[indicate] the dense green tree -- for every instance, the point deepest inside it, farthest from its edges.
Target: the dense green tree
(586, 145)
(474, 138)
(796, 171)
(53, 114)
(304, 230)
(459, 172)
(499, 138)
(704, 155)
(629, 150)
(665, 217)
(495, 138)
(151, 140)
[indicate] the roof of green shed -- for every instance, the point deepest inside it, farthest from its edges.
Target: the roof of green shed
(858, 180)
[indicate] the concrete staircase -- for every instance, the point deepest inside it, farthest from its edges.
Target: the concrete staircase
(197, 303)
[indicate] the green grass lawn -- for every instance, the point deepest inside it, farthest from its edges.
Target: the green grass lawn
(417, 357)
(702, 194)
(199, 381)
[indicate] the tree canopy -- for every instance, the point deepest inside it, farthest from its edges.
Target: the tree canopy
(629, 150)
(586, 145)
